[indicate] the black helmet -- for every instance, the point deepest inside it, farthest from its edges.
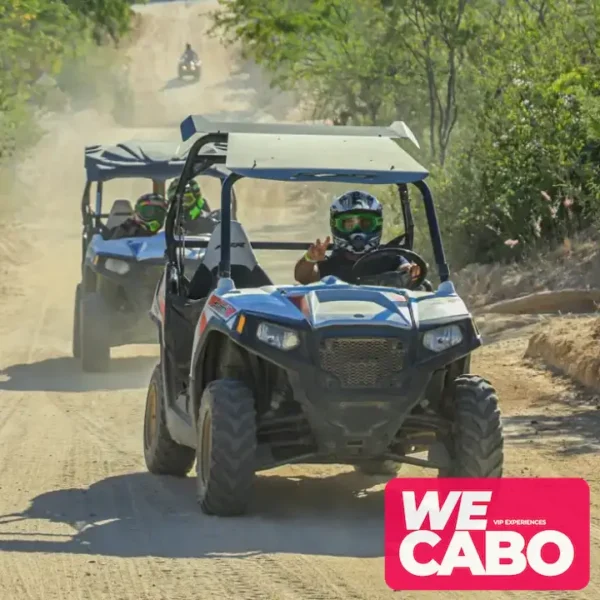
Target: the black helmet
(151, 211)
(356, 220)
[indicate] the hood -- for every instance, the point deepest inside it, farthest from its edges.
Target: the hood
(138, 248)
(332, 303)
(337, 306)
(326, 304)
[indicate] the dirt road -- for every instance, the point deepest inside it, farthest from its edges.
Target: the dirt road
(79, 516)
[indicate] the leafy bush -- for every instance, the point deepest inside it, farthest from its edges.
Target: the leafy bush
(505, 96)
(41, 44)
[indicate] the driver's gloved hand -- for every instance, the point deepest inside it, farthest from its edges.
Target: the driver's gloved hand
(412, 269)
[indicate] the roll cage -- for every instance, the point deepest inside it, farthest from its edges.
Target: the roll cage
(156, 161)
(297, 152)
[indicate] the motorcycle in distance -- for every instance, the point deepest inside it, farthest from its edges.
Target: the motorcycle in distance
(189, 67)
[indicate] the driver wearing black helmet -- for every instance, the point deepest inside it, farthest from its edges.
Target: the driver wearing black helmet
(149, 214)
(356, 221)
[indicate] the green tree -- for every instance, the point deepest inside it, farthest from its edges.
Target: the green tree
(38, 36)
(523, 167)
(110, 18)
(505, 93)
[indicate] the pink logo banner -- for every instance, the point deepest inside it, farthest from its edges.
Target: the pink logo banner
(487, 534)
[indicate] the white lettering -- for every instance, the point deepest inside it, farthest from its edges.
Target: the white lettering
(468, 509)
(494, 553)
(565, 549)
(407, 553)
(461, 542)
(462, 553)
(430, 506)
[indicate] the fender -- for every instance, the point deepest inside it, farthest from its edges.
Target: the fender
(217, 315)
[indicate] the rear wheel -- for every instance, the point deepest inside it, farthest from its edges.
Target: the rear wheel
(162, 454)
(476, 445)
(226, 448)
(76, 343)
(94, 327)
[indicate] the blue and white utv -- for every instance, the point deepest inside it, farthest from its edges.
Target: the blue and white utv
(254, 375)
(119, 276)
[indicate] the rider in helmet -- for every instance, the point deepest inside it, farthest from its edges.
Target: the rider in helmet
(189, 54)
(149, 214)
(356, 221)
(195, 206)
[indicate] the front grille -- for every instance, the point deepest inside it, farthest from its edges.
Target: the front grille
(362, 362)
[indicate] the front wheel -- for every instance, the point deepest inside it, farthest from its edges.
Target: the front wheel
(476, 445)
(226, 448)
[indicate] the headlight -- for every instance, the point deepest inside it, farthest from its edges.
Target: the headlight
(278, 337)
(116, 266)
(442, 338)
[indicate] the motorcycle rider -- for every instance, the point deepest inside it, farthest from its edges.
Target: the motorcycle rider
(189, 54)
(356, 221)
(149, 214)
(195, 207)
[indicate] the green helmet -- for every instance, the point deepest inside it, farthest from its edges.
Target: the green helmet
(193, 201)
(151, 211)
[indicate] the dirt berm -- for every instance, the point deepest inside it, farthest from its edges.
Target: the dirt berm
(560, 301)
(570, 346)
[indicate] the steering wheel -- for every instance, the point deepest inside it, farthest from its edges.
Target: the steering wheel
(382, 265)
(397, 242)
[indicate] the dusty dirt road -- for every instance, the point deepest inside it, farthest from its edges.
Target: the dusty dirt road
(79, 516)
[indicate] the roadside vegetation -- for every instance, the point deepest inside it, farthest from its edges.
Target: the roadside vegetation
(503, 96)
(56, 54)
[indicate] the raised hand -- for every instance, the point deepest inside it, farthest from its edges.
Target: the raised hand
(317, 250)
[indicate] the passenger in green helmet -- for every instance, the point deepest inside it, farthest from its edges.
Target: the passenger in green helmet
(195, 207)
(149, 214)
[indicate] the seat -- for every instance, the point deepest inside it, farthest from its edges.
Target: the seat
(245, 270)
(121, 211)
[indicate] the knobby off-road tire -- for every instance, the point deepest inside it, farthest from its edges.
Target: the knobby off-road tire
(94, 327)
(76, 343)
(226, 448)
(162, 454)
(477, 444)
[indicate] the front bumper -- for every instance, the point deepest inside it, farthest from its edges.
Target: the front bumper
(358, 385)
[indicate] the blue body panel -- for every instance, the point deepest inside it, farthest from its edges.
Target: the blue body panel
(330, 302)
(334, 303)
(138, 249)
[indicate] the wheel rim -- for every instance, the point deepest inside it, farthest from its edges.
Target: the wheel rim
(205, 448)
(151, 414)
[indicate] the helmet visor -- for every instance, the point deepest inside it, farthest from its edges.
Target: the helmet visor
(191, 198)
(151, 213)
(363, 222)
